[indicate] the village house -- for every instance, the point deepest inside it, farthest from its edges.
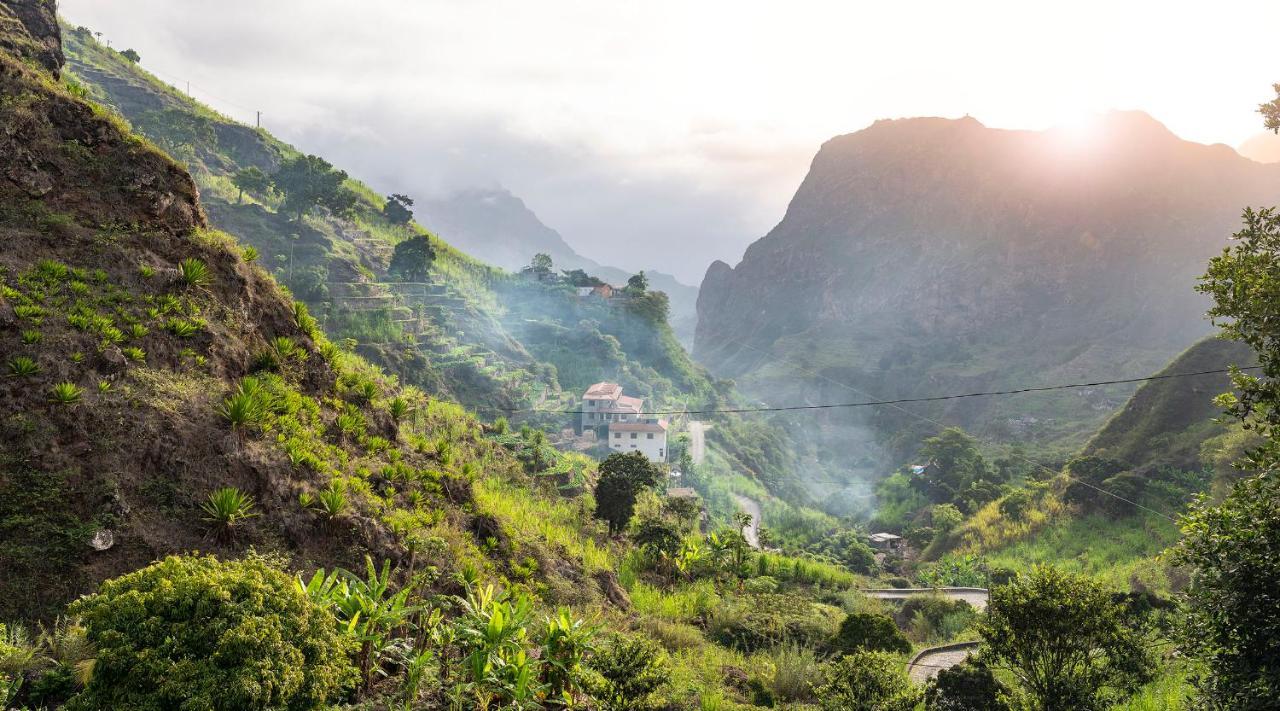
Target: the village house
(885, 541)
(618, 419)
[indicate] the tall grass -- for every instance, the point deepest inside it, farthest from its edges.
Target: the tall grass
(683, 604)
(553, 522)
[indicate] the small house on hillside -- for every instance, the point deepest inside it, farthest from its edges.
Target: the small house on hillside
(619, 420)
(885, 541)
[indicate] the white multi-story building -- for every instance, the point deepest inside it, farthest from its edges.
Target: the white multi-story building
(618, 419)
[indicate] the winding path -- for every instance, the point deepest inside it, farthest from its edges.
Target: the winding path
(974, 596)
(697, 440)
(928, 662)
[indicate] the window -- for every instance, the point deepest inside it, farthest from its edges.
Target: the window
(650, 435)
(617, 435)
(633, 435)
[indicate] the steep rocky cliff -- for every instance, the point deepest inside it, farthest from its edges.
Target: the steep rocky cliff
(925, 256)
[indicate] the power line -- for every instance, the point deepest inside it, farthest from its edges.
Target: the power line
(900, 401)
(1016, 455)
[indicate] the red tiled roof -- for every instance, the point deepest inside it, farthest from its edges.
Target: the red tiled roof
(626, 403)
(603, 391)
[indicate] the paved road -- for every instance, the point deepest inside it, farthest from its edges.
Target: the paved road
(752, 532)
(928, 662)
(697, 440)
(974, 596)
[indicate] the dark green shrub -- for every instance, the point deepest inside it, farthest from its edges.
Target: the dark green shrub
(866, 681)
(865, 631)
(966, 687)
(199, 633)
(630, 672)
(759, 621)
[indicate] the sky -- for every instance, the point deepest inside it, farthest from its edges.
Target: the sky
(666, 134)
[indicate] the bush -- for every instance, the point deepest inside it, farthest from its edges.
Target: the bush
(196, 632)
(630, 672)
(865, 631)
(966, 687)
(794, 669)
(760, 621)
(226, 507)
(866, 681)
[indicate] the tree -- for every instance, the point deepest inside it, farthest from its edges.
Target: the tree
(1233, 620)
(866, 681)
(396, 210)
(1086, 476)
(1233, 549)
(954, 464)
(250, 180)
(966, 687)
(540, 266)
(866, 631)
(131, 55)
(622, 478)
(310, 181)
(579, 277)
(412, 259)
(196, 632)
(1271, 112)
(1065, 640)
(638, 284)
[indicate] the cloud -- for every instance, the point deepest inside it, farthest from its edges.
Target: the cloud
(674, 131)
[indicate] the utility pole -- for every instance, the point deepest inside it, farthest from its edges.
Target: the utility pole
(188, 88)
(259, 119)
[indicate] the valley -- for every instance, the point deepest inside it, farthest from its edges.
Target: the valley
(271, 439)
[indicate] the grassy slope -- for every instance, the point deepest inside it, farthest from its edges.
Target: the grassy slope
(486, 338)
(1166, 432)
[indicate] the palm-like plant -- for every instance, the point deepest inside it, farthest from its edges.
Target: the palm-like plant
(226, 507)
(194, 272)
(565, 645)
(66, 393)
(23, 366)
(330, 503)
(181, 328)
(399, 408)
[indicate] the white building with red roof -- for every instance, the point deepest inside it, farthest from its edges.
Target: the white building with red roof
(620, 420)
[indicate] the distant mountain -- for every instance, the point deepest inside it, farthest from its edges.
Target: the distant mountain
(498, 227)
(925, 256)
(1264, 148)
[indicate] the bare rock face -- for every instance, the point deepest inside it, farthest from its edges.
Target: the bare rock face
(102, 540)
(924, 256)
(29, 29)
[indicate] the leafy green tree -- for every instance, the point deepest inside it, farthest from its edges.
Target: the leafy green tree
(131, 55)
(866, 631)
(866, 681)
(1271, 112)
(250, 180)
(178, 132)
(196, 632)
(1067, 642)
(1233, 619)
(1233, 549)
(622, 478)
(1086, 476)
(966, 687)
(412, 259)
(945, 517)
(310, 181)
(397, 209)
(638, 284)
(579, 277)
(954, 463)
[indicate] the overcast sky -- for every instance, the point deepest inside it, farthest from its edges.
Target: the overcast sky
(669, 133)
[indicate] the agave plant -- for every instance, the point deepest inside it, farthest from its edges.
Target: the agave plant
(22, 366)
(399, 408)
(31, 337)
(329, 503)
(249, 253)
(181, 328)
(226, 507)
(135, 354)
(194, 272)
(66, 393)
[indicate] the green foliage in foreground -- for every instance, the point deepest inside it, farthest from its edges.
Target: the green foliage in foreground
(1067, 642)
(866, 681)
(202, 633)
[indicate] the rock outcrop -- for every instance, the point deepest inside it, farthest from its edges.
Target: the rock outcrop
(925, 256)
(29, 30)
